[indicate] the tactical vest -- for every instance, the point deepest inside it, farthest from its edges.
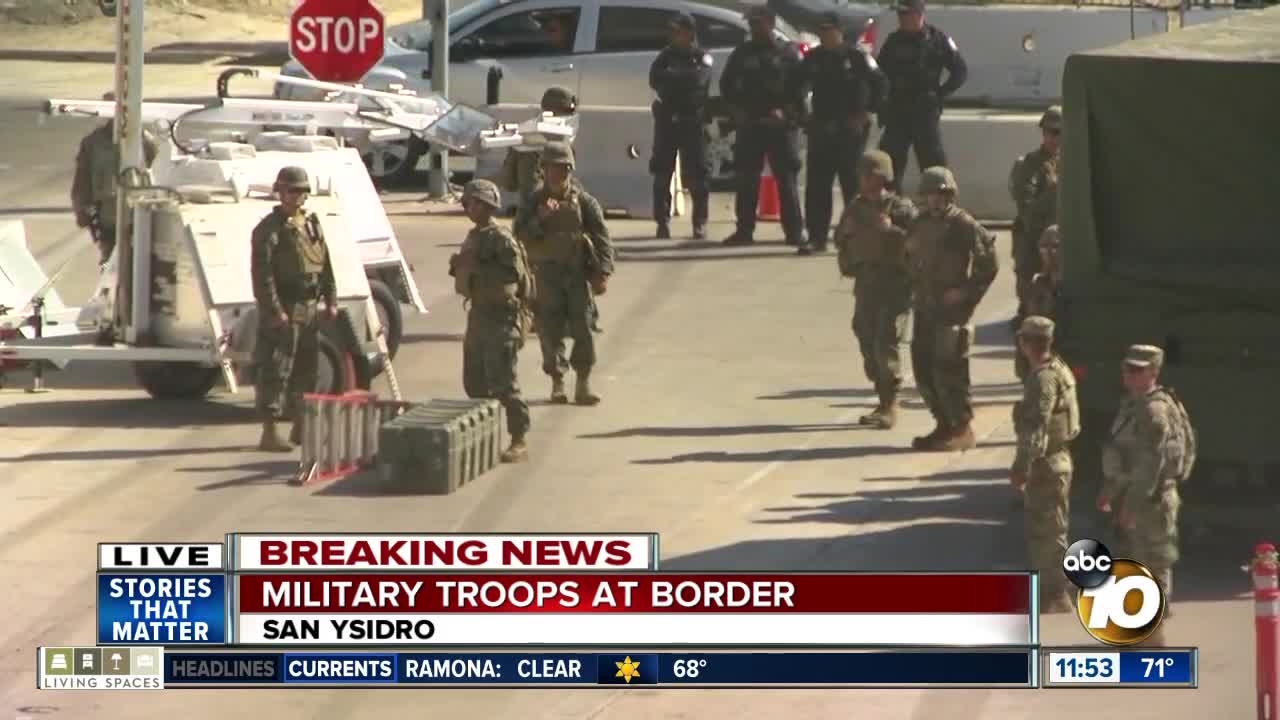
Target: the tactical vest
(1064, 422)
(1181, 449)
(300, 257)
(104, 164)
(938, 259)
(867, 243)
(489, 282)
(563, 240)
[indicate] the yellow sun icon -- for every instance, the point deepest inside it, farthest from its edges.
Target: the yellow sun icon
(628, 669)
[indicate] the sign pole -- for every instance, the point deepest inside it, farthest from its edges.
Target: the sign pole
(438, 180)
(128, 137)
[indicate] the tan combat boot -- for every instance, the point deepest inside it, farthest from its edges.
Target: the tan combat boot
(887, 415)
(873, 418)
(926, 442)
(558, 394)
(518, 452)
(271, 441)
(582, 394)
(959, 439)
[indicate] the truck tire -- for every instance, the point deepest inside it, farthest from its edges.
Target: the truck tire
(335, 369)
(390, 314)
(392, 164)
(176, 380)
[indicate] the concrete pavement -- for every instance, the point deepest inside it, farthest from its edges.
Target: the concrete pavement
(731, 385)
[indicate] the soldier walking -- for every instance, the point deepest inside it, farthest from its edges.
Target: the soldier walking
(847, 87)
(871, 249)
(1033, 183)
(492, 272)
(759, 86)
(681, 75)
(1149, 453)
(1042, 294)
(913, 58)
(93, 188)
(1046, 420)
(565, 235)
(952, 262)
(292, 272)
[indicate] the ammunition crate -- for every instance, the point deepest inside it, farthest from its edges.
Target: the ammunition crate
(437, 447)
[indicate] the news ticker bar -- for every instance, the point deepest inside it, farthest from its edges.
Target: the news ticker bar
(153, 668)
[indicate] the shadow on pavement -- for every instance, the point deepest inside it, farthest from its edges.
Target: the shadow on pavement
(718, 430)
(266, 472)
(626, 256)
(844, 452)
(996, 332)
(998, 473)
(125, 413)
(412, 338)
(811, 393)
(108, 455)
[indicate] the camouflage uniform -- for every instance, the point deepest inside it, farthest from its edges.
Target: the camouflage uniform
(492, 272)
(572, 258)
(1141, 461)
(93, 189)
(1042, 295)
(946, 251)
(876, 259)
(1046, 420)
(1033, 182)
(292, 272)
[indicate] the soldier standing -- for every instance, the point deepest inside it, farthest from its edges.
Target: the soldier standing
(1042, 294)
(1149, 453)
(564, 233)
(292, 272)
(93, 188)
(847, 87)
(871, 249)
(913, 58)
(953, 262)
(522, 168)
(759, 86)
(1033, 183)
(1046, 420)
(492, 272)
(681, 75)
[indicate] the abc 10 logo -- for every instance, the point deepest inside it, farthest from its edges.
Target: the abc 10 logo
(1119, 601)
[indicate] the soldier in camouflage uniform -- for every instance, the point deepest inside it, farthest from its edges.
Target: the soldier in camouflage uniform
(93, 189)
(292, 273)
(492, 272)
(522, 169)
(1033, 182)
(871, 248)
(1149, 453)
(1046, 420)
(952, 263)
(564, 233)
(1042, 295)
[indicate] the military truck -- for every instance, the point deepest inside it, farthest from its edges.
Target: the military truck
(1170, 213)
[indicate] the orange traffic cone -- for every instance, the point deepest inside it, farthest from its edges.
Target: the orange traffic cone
(768, 206)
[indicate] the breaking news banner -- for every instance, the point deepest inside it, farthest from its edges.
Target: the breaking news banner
(100, 668)
(1078, 667)
(889, 668)
(657, 609)
(162, 594)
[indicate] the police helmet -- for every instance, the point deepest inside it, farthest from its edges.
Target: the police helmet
(557, 153)
(484, 191)
(877, 162)
(293, 178)
(684, 21)
(559, 100)
(938, 179)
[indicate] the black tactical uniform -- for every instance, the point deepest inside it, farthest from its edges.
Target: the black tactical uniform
(913, 62)
(759, 79)
(847, 86)
(682, 79)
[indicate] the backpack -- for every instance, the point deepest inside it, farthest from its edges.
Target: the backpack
(1184, 436)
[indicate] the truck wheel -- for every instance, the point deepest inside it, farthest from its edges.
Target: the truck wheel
(176, 380)
(390, 314)
(391, 163)
(335, 369)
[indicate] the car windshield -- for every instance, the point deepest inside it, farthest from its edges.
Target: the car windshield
(416, 35)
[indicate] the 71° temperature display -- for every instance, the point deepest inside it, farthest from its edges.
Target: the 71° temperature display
(1135, 668)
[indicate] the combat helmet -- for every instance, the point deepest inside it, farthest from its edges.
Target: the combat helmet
(938, 179)
(1052, 118)
(559, 100)
(557, 153)
(292, 177)
(1051, 237)
(877, 162)
(484, 191)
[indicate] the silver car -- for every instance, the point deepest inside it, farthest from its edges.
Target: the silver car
(602, 49)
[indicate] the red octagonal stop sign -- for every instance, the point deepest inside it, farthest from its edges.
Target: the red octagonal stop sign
(336, 40)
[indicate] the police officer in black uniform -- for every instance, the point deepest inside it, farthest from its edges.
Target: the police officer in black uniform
(681, 75)
(847, 87)
(913, 58)
(760, 88)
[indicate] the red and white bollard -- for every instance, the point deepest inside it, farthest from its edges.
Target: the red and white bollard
(1265, 569)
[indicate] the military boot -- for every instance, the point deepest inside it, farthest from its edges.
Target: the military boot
(664, 232)
(872, 418)
(925, 442)
(558, 394)
(582, 394)
(699, 231)
(271, 441)
(518, 452)
(887, 415)
(739, 238)
(959, 439)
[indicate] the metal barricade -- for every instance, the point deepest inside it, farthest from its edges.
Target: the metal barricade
(340, 433)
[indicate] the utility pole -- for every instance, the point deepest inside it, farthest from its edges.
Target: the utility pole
(437, 11)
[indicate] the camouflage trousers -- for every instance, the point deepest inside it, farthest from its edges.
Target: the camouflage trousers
(490, 350)
(564, 311)
(1153, 541)
(940, 361)
(880, 326)
(287, 358)
(1047, 512)
(1026, 263)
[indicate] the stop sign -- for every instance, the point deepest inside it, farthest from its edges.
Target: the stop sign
(336, 40)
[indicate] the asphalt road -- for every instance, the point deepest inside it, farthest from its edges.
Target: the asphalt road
(731, 387)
